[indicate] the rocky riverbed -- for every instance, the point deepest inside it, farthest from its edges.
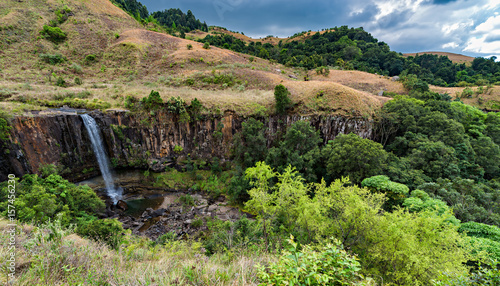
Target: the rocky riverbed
(152, 212)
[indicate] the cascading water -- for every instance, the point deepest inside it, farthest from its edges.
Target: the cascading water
(114, 193)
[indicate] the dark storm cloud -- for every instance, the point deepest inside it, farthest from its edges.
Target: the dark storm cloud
(392, 20)
(367, 14)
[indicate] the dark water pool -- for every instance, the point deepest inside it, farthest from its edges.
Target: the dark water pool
(137, 207)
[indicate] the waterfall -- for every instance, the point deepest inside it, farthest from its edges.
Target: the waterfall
(97, 144)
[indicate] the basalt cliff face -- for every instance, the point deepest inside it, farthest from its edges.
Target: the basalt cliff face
(141, 141)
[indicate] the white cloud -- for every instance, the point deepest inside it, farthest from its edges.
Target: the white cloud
(456, 27)
(492, 23)
(480, 45)
(388, 7)
(452, 45)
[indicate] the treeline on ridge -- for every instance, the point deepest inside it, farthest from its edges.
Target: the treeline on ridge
(171, 19)
(354, 48)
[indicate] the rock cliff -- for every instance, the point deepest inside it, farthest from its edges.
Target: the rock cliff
(141, 140)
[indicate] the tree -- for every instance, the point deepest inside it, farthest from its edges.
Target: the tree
(283, 102)
(395, 192)
(153, 101)
(298, 149)
(487, 155)
(252, 146)
(353, 156)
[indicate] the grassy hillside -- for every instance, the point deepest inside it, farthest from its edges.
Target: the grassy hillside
(107, 55)
(69, 259)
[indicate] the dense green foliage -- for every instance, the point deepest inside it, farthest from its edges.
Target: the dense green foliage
(42, 199)
(438, 167)
(400, 246)
(344, 155)
(183, 22)
(133, 7)
(328, 264)
(172, 20)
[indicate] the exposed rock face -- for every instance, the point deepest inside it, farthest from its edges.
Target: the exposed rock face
(48, 139)
(141, 141)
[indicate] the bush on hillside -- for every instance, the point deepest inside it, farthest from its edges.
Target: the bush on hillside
(54, 34)
(109, 231)
(153, 101)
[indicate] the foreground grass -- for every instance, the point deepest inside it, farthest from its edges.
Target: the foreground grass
(64, 258)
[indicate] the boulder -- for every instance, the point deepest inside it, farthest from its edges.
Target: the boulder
(122, 205)
(158, 212)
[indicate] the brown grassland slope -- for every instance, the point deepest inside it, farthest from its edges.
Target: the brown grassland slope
(108, 56)
(456, 58)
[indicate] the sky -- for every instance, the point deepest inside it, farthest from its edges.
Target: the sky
(469, 27)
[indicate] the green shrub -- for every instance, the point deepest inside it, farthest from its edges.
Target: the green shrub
(467, 93)
(190, 81)
(178, 149)
(4, 129)
(78, 81)
(130, 102)
(283, 102)
(206, 45)
(153, 101)
(329, 264)
(90, 58)
(166, 238)
(46, 170)
(189, 46)
(195, 107)
(54, 34)
(117, 129)
(60, 82)
(481, 230)
(197, 223)
(176, 105)
(106, 230)
(395, 192)
(52, 59)
(186, 200)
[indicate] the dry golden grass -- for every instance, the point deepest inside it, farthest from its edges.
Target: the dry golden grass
(363, 81)
(455, 58)
(77, 261)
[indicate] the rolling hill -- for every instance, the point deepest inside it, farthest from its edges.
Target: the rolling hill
(107, 55)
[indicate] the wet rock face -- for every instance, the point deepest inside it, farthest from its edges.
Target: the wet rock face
(142, 141)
